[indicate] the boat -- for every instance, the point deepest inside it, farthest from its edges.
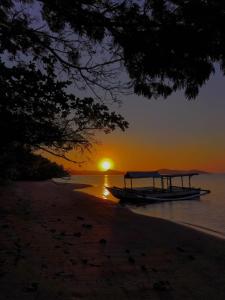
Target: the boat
(161, 190)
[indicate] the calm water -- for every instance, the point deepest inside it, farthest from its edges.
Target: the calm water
(206, 214)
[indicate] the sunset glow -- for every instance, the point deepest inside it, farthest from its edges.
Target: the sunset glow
(161, 135)
(105, 164)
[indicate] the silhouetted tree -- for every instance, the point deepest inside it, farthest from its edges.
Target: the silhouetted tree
(37, 112)
(36, 109)
(48, 48)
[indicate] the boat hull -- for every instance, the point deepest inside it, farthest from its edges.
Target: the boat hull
(151, 196)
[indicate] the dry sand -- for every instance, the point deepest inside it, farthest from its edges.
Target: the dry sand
(61, 244)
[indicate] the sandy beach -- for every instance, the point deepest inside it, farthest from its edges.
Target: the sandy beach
(57, 243)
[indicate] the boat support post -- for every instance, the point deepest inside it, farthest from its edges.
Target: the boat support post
(189, 177)
(162, 184)
(182, 182)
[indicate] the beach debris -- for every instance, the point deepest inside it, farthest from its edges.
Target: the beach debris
(57, 274)
(53, 230)
(103, 241)
(77, 234)
(68, 244)
(64, 275)
(162, 285)
(131, 260)
(44, 266)
(144, 269)
(68, 276)
(80, 218)
(5, 226)
(76, 295)
(84, 261)
(73, 261)
(4, 212)
(154, 270)
(87, 226)
(180, 249)
(57, 237)
(94, 265)
(32, 288)
(2, 274)
(191, 257)
(18, 254)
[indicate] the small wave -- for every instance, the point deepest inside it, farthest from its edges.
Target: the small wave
(206, 229)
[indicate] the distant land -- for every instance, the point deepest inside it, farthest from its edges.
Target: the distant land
(117, 172)
(94, 172)
(182, 171)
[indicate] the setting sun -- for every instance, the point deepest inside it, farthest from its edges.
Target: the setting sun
(105, 164)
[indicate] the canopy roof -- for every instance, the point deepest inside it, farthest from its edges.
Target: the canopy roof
(155, 174)
(178, 174)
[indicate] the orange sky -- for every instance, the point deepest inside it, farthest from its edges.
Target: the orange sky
(128, 155)
(173, 133)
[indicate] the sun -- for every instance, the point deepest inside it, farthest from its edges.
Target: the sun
(105, 164)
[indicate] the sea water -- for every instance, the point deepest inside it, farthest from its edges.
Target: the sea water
(207, 214)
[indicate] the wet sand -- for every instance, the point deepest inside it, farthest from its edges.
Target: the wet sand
(56, 243)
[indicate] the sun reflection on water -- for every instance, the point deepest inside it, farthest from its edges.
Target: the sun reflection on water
(105, 192)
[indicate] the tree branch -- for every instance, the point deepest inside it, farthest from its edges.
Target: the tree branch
(59, 155)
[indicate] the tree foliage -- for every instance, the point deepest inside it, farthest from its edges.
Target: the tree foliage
(37, 111)
(164, 45)
(50, 51)
(21, 164)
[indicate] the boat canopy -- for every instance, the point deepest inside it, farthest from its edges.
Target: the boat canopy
(139, 174)
(155, 174)
(178, 175)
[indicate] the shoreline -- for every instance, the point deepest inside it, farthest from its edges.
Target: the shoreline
(63, 244)
(206, 230)
(203, 229)
(199, 228)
